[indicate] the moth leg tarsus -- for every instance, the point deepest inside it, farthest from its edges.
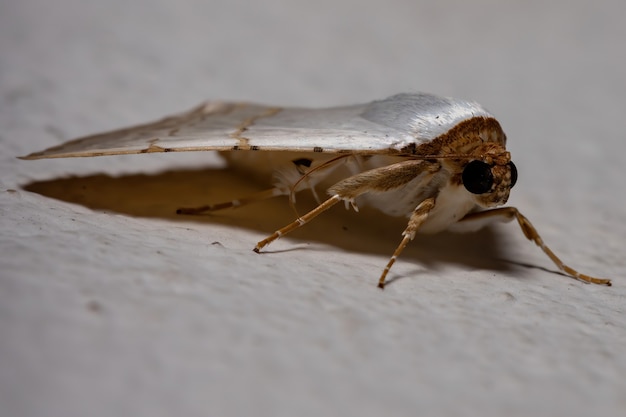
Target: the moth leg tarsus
(300, 221)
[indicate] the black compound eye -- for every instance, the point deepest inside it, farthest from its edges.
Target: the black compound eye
(477, 177)
(513, 173)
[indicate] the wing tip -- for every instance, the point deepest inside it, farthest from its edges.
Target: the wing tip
(48, 154)
(32, 156)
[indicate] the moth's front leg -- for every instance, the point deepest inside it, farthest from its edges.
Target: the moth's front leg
(474, 221)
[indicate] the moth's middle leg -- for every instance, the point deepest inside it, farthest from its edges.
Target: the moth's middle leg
(375, 180)
(418, 217)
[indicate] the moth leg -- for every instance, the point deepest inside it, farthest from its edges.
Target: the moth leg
(288, 180)
(261, 195)
(300, 221)
(376, 180)
(419, 215)
(506, 214)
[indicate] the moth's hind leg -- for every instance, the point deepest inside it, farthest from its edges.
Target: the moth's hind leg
(253, 198)
(291, 177)
(475, 221)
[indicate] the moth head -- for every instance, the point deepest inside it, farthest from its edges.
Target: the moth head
(490, 179)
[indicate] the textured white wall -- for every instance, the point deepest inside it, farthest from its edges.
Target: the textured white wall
(110, 305)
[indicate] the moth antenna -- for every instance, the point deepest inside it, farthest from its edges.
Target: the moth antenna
(447, 156)
(312, 170)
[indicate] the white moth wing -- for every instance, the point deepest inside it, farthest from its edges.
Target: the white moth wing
(379, 127)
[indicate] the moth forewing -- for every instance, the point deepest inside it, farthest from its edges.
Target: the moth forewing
(441, 162)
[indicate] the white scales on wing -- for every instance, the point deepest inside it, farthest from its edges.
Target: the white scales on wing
(383, 126)
(441, 162)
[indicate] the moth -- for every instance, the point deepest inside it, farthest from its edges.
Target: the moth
(440, 162)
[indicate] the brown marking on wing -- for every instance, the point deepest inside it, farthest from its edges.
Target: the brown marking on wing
(244, 142)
